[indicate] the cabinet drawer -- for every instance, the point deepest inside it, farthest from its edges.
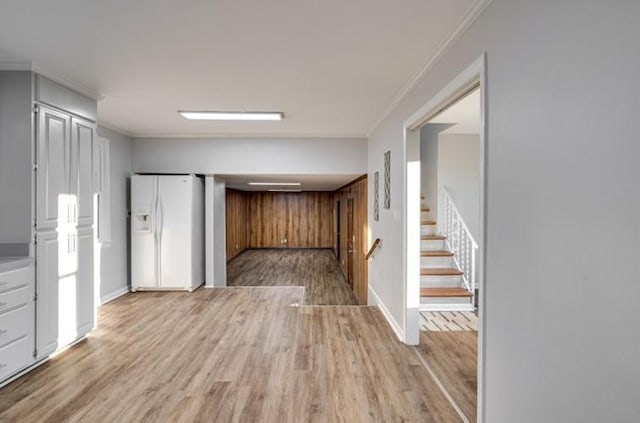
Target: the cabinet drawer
(15, 299)
(16, 323)
(14, 279)
(16, 356)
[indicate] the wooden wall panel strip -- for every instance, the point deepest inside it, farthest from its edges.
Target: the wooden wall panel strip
(237, 215)
(358, 192)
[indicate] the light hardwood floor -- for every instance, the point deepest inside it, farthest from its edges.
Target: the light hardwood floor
(230, 355)
(453, 357)
(317, 270)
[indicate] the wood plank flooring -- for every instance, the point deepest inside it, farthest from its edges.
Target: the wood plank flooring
(453, 357)
(316, 270)
(230, 355)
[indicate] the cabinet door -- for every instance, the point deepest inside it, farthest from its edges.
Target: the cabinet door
(84, 282)
(47, 277)
(81, 169)
(53, 135)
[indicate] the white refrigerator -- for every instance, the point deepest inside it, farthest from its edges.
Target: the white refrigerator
(167, 232)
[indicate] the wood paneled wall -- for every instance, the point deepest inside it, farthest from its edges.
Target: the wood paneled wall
(278, 220)
(358, 192)
(304, 220)
(291, 220)
(237, 216)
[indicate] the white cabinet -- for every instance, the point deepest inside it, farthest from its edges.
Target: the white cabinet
(81, 184)
(64, 225)
(47, 276)
(53, 144)
(47, 133)
(85, 294)
(64, 193)
(17, 318)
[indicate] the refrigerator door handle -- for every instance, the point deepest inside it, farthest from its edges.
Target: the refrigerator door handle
(160, 230)
(155, 229)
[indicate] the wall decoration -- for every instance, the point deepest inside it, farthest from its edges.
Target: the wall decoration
(376, 196)
(387, 180)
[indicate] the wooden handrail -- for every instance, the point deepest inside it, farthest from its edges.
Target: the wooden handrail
(375, 245)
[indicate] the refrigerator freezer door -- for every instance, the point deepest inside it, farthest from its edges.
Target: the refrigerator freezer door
(175, 231)
(144, 246)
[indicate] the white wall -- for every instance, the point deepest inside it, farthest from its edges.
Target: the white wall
(251, 156)
(429, 135)
(215, 232)
(219, 240)
(563, 97)
(115, 264)
(459, 172)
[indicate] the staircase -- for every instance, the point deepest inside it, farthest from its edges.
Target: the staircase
(443, 285)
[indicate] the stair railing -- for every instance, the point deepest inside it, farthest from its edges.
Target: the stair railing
(373, 248)
(459, 240)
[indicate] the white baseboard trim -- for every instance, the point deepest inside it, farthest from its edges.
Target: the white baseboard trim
(446, 307)
(397, 329)
(113, 295)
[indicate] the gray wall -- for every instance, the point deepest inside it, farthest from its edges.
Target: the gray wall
(563, 233)
(459, 172)
(219, 234)
(115, 264)
(15, 156)
(251, 155)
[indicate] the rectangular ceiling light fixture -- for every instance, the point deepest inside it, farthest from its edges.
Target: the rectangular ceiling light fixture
(285, 190)
(196, 115)
(276, 184)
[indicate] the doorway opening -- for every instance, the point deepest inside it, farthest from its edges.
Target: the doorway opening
(290, 230)
(444, 238)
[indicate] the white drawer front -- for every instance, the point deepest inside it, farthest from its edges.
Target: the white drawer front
(16, 356)
(14, 279)
(16, 323)
(15, 299)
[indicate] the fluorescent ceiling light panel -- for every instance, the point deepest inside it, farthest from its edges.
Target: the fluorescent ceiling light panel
(285, 190)
(276, 184)
(196, 115)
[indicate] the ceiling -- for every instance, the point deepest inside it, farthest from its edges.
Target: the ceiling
(463, 115)
(331, 66)
(309, 182)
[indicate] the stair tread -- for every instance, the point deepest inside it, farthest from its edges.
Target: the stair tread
(444, 292)
(425, 209)
(433, 237)
(440, 271)
(436, 253)
(428, 222)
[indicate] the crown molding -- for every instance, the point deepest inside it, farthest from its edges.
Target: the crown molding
(468, 19)
(15, 65)
(115, 128)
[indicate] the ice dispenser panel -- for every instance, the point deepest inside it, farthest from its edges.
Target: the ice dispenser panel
(142, 219)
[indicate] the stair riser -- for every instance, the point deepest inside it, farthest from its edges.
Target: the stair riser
(445, 300)
(428, 230)
(440, 281)
(436, 262)
(431, 245)
(424, 215)
(447, 306)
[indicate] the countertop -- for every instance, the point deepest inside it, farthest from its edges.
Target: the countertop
(10, 263)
